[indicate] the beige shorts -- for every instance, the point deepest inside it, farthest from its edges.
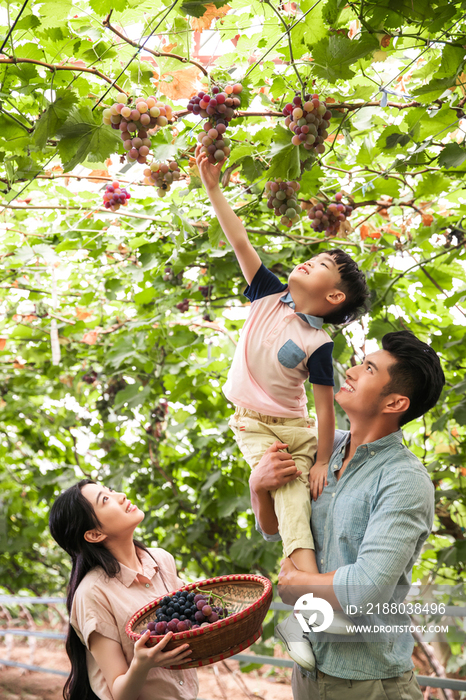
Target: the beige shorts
(404, 687)
(255, 433)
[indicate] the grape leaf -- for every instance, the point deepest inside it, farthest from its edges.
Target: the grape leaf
(84, 136)
(197, 8)
(452, 156)
(54, 116)
(103, 7)
(215, 233)
(452, 61)
(332, 10)
(54, 13)
(285, 164)
(432, 184)
(333, 55)
(434, 88)
(392, 137)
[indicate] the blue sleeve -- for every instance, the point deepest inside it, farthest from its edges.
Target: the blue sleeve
(268, 538)
(264, 284)
(320, 365)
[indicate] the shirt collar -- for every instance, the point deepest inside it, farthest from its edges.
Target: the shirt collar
(149, 567)
(314, 321)
(369, 447)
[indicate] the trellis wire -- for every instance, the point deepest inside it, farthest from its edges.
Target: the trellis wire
(11, 30)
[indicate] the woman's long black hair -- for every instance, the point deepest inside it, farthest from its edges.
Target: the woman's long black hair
(71, 516)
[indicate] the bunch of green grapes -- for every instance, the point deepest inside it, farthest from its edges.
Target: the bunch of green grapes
(162, 175)
(282, 198)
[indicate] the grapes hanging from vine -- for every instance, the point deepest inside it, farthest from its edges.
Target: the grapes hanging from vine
(309, 121)
(282, 198)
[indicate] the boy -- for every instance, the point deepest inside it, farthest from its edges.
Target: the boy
(283, 344)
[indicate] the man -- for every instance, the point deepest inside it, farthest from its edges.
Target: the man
(369, 524)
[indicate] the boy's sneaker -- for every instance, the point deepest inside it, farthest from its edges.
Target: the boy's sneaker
(340, 624)
(297, 644)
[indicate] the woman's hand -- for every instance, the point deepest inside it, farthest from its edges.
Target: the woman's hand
(210, 173)
(151, 657)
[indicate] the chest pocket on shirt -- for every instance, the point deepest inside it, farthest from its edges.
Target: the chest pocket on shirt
(290, 355)
(351, 517)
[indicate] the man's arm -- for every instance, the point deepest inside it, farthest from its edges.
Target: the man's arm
(292, 584)
(399, 524)
(231, 225)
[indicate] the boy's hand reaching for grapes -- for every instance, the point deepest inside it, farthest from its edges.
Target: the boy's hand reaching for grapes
(209, 172)
(318, 479)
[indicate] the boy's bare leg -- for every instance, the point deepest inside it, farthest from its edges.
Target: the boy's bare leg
(305, 560)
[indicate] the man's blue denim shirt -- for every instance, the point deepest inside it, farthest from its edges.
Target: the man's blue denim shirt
(370, 527)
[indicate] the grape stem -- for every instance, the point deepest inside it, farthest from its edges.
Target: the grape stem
(55, 67)
(106, 23)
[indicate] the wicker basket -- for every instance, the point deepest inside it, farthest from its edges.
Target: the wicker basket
(246, 596)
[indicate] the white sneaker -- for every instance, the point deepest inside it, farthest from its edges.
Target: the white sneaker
(339, 624)
(298, 646)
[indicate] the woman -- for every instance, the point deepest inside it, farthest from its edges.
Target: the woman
(113, 576)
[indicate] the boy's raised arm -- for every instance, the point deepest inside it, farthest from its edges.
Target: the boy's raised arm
(231, 225)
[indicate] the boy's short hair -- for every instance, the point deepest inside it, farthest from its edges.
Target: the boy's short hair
(353, 284)
(416, 373)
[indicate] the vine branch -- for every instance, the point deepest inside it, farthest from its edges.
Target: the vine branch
(163, 54)
(54, 67)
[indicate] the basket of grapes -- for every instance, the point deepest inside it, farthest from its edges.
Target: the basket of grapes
(218, 617)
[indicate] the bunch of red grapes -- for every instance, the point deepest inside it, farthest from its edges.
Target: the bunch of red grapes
(309, 121)
(328, 217)
(183, 305)
(219, 108)
(282, 198)
(214, 142)
(206, 290)
(162, 175)
(115, 195)
(221, 104)
(135, 124)
(184, 611)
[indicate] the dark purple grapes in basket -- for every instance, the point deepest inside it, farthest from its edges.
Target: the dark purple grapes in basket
(184, 611)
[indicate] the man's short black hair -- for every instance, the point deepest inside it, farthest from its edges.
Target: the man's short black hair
(416, 373)
(353, 284)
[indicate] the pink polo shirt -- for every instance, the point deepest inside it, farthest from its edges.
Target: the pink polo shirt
(278, 351)
(105, 605)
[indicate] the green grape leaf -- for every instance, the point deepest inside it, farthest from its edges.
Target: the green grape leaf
(83, 137)
(333, 55)
(285, 164)
(452, 156)
(54, 116)
(197, 8)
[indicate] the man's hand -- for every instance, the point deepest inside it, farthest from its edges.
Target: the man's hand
(318, 479)
(210, 173)
(287, 582)
(276, 468)
(292, 584)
